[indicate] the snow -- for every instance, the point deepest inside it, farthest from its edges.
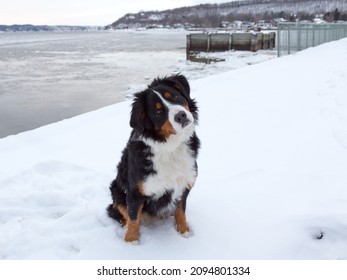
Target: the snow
(272, 172)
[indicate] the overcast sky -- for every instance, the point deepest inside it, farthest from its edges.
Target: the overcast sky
(81, 12)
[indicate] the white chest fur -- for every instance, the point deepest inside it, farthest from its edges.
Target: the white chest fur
(175, 170)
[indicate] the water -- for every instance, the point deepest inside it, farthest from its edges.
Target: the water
(47, 77)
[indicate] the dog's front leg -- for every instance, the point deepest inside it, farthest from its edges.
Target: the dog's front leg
(180, 215)
(134, 207)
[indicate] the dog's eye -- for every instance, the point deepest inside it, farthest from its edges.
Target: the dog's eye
(159, 112)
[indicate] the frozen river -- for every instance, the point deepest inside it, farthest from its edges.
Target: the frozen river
(46, 77)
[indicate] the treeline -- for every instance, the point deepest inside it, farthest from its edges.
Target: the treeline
(47, 28)
(333, 16)
(211, 15)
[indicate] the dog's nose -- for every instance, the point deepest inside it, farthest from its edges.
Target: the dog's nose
(181, 118)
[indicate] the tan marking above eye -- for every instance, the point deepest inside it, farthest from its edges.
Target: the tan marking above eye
(168, 95)
(158, 106)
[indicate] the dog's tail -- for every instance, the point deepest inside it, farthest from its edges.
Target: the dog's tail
(114, 213)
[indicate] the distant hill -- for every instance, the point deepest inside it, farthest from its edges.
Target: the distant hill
(49, 28)
(211, 15)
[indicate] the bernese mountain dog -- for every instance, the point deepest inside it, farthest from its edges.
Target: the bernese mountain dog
(158, 166)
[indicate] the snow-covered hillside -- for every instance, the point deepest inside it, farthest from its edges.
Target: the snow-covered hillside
(272, 172)
(211, 15)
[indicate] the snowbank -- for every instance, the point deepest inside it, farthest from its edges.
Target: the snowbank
(272, 172)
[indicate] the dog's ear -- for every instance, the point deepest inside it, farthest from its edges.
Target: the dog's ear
(180, 83)
(139, 119)
(138, 112)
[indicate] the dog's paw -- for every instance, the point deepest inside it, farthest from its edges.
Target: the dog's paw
(183, 230)
(185, 234)
(131, 238)
(134, 242)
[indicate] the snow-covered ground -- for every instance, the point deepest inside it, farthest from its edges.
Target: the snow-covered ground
(272, 172)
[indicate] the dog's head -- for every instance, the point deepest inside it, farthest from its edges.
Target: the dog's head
(164, 109)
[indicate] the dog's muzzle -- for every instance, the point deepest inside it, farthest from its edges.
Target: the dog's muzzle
(181, 118)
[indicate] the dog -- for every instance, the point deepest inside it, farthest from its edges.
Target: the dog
(158, 167)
